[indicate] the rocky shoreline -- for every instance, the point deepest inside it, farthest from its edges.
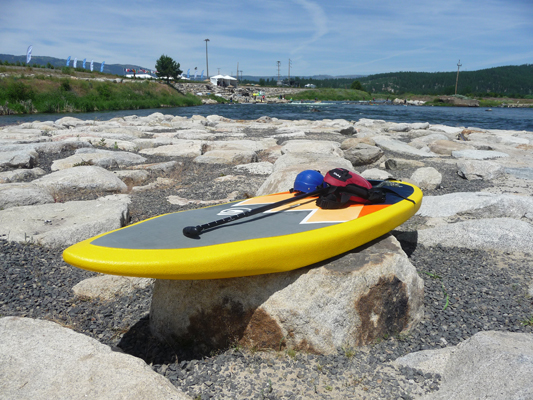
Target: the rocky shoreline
(478, 279)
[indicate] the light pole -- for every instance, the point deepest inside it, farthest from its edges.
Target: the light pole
(206, 58)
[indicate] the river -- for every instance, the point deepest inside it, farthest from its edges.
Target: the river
(518, 119)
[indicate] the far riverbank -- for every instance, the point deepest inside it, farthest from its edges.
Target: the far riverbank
(479, 117)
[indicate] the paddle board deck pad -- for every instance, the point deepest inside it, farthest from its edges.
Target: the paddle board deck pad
(292, 236)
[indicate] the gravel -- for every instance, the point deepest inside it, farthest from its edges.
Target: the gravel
(466, 291)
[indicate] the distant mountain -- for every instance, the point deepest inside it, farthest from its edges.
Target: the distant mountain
(115, 69)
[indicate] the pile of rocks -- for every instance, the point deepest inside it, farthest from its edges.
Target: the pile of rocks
(241, 94)
(477, 186)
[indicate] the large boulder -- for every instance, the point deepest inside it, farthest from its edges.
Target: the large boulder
(81, 178)
(476, 169)
(102, 158)
(426, 178)
(478, 154)
(17, 159)
(398, 147)
(179, 148)
(363, 154)
(23, 194)
(348, 301)
(43, 360)
(446, 147)
(477, 205)
(499, 234)
(489, 365)
(312, 146)
(20, 175)
(63, 224)
(107, 287)
(229, 157)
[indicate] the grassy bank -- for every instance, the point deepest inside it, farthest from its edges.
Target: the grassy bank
(331, 95)
(45, 94)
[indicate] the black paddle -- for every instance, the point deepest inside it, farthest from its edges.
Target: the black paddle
(195, 231)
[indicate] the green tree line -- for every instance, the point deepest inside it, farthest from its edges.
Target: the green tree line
(510, 81)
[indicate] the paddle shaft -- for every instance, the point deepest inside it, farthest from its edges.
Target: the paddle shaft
(195, 231)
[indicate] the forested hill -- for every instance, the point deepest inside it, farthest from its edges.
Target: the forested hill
(509, 81)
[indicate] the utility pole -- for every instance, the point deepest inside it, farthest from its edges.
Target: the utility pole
(218, 70)
(206, 58)
(457, 80)
(237, 72)
(279, 81)
(289, 72)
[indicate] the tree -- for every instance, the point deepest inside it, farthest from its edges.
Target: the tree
(356, 85)
(167, 68)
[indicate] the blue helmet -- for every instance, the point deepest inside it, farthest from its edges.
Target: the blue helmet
(308, 181)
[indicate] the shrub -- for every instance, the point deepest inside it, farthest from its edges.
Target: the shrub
(104, 91)
(65, 84)
(17, 91)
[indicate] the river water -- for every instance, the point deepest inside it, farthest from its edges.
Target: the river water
(518, 119)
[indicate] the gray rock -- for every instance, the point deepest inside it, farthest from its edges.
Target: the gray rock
(81, 178)
(43, 360)
(184, 148)
(401, 127)
(133, 177)
(23, 194)
(230, 157)
(477, 205)
(363, 154)
(489, 365)
(158, 167)
(427, 178)
(428, 361)
(312, 146)
(375, 173)
(69, 122)
(19, 175)
(17, 159)
(107, 287)
(396, 146)
(446, 147)
(101, 158)
(354, 141)
(478, 154)
(258, 168)
(62, 224)
(522, 173)
(350, 301)
(475, 169)
(500, 234)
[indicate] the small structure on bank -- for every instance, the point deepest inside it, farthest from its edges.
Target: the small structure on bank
(223, 80)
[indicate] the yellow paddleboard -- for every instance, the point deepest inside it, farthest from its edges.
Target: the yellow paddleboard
(282, 239)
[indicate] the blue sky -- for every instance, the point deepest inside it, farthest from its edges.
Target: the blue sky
(334, 37)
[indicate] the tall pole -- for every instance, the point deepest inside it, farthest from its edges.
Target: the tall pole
(279, 83)
(289, 72)
(206, 58)
(457, 79)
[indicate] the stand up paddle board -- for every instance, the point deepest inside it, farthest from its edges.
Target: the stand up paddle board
(291, 236)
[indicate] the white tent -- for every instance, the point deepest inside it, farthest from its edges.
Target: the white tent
(223, 80)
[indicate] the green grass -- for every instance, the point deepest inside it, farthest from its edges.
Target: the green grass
(331, 95)
(56, 95)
